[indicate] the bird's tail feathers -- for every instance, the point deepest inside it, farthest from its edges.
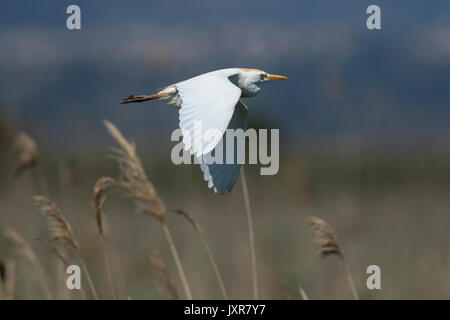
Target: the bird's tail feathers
(166, 93)
(141, 98)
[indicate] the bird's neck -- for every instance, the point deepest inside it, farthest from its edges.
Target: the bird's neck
(239, 79)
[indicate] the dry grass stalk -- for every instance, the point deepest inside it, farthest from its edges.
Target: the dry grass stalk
(251, 235)
(2, 271)
(59, 228)
(134, 180)
(7, 279)
(324, 236)
(67, 173)
(21, 248)
(26, 152)
(58, 275)
(20, 245)
(6, 132)
(55, 250)
(177, 260)
(60, 231)
(109, 268)
(100, 188)
(302, 293)
(197, 227)
(2, 280)
(61, 293)
(163, 275)
(191, 220)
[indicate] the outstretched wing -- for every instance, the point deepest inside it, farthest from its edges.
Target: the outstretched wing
(207, 100)
(223, 176)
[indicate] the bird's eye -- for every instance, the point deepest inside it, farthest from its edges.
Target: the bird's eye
(263, 76)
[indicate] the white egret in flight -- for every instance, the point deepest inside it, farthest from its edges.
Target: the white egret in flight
(212, 99)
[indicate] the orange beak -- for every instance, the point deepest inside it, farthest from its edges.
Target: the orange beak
(276, 77)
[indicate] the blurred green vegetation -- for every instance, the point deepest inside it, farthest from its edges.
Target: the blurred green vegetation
(388, 207)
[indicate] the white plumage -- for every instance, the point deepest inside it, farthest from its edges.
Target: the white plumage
(211, 101)
(208, 100)
(222, 175)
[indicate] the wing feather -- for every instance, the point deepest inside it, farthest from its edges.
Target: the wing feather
(223, 176)
(209, 101)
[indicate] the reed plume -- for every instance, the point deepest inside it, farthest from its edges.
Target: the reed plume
(59, 229)
(60, 232)
(100, 188)
(328, 245)
(162, 274)
(325, 238)
(199, 230)
(134, 181)
(133, 178)
(21, 248)
(27, 153)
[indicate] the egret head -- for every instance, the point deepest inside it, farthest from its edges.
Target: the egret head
(259, 76)
(249, 79)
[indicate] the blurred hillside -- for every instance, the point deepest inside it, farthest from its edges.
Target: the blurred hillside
(348, 85)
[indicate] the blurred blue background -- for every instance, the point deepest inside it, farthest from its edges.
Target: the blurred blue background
(347, 85)
(364, 139)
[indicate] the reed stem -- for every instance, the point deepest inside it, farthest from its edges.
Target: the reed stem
(89, 279)
(215, 267)
(108, 267)
(173, 249)
(350, 281)
(251, 235)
